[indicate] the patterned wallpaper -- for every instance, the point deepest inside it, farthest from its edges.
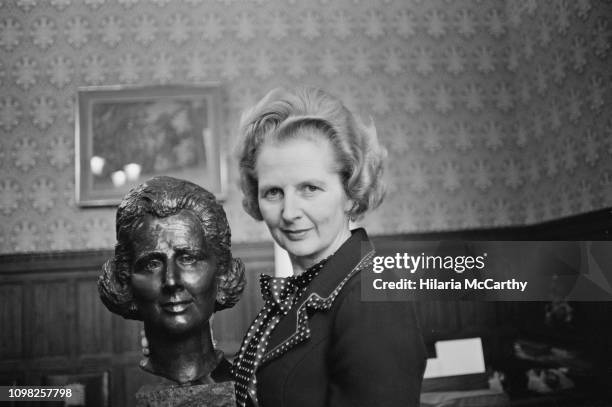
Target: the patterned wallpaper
(494, 112)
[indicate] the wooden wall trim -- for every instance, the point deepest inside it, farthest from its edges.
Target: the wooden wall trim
(83, 260)
(53, 261)
(596, 225)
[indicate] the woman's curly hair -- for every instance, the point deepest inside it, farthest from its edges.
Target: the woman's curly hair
(286, 114)
(162, 197)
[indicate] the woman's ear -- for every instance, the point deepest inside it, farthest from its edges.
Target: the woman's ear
(350, 206)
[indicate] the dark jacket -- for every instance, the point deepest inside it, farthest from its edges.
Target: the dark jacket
(353, 353)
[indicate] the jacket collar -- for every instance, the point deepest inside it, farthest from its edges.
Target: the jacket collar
(340, 264)
(320, 294)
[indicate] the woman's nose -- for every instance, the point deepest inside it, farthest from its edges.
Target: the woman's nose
(291, 208)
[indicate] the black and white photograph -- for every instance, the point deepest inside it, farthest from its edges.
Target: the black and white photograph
(316, 203)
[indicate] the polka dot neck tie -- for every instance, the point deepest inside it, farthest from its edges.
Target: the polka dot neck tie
(279, 294)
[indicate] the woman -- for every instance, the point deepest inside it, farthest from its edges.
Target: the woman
(308, 167)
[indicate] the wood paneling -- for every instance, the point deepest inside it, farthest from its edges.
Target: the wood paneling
(438, 318)
(125, 334)
(11, 321)
(51, 318)
(476, 314)
(93, 320)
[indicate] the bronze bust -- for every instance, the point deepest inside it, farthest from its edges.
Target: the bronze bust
(173, 269)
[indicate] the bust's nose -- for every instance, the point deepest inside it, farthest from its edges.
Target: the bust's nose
(171, 277)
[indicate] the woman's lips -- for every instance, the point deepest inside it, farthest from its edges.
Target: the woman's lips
(295, 234)
(176, 307)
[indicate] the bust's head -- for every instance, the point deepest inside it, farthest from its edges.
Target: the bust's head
(172, 266)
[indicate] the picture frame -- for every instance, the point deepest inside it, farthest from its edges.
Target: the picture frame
(125, 135)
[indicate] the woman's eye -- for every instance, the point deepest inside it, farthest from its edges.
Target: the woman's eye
(273, 193)
(311, 188)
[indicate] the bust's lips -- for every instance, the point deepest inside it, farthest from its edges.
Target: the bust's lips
(175, 307)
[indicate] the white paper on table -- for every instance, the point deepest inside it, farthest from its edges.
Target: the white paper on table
(456, 357)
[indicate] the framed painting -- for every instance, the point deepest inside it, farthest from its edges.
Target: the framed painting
(125, 135)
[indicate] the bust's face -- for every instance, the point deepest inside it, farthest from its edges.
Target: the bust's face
(173, 273)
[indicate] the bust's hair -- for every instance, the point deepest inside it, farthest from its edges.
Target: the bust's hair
(288, 114)
(162, 197)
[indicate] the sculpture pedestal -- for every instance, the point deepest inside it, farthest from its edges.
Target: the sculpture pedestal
(210, 395)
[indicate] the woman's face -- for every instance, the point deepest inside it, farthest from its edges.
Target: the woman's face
(173, 273)
(301, 197)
